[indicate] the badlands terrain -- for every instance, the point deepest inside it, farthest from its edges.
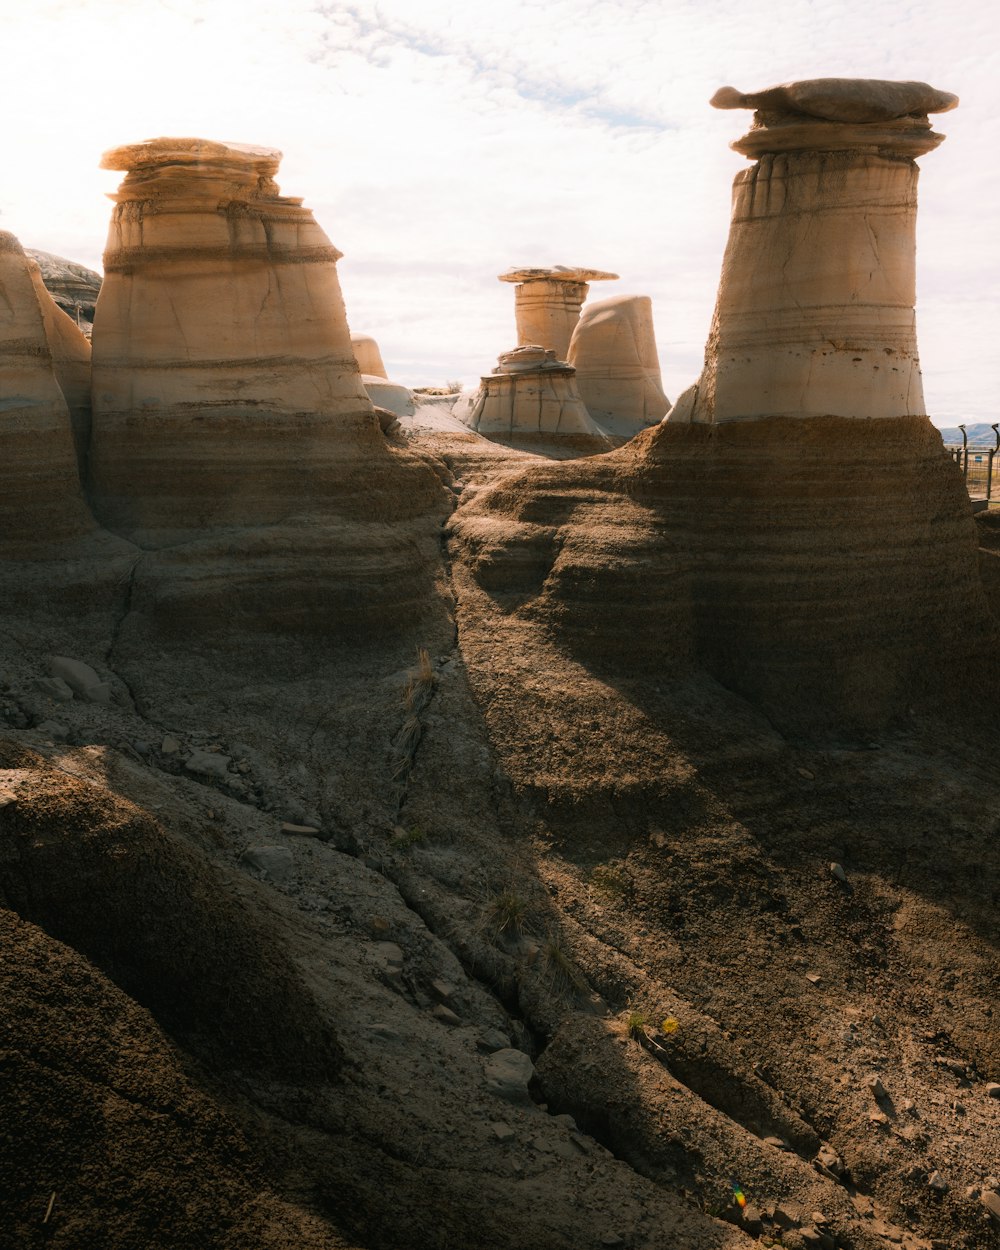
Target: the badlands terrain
(507, 821)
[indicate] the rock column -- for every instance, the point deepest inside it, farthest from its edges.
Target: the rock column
(617, 368)
(547, 304)
(225, 387)
(815, 312)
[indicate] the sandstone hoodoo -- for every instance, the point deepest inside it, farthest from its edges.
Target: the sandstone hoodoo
(226, 390)
(383, 393)
(41, 502)
(818, 564)
(368, 356)
(547, 304)
(815, 312)
(531, 398)
(613, 350)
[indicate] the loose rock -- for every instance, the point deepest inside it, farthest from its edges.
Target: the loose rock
(274, 863)
(207, 764)
(507, 1075)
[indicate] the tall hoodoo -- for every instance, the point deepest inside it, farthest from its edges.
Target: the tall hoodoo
(617, 368)
(41, 502)
(815, 312)
(225, 387)
(547, 304)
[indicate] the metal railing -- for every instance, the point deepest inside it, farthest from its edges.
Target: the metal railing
(977, 465)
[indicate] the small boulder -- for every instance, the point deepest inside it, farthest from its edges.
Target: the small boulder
(992, 1089)
(54, 688)
(208, 764)
(273, 863)
(507, 1075)
(81, 679)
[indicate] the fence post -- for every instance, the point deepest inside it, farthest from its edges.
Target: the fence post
(965, 455)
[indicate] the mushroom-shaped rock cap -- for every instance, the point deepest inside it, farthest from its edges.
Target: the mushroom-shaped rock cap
(194, 152)
(530, 357)
(855, 100)
(558, 273)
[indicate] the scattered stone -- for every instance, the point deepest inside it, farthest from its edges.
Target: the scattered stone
(972, 1192)
(876, 1087)
(937, 1182)
(566, 1120)
(491, 1040)
(274, 863)
(878, 1117)
(810, 1236)
(778, 1143)
(837, 870)
(612, 1239)
(806, 773)
(819, 1219)
(443, 991)
(81, 678)
(953, 1065)
(785, 1218)
(752, 1219)
(170, 745)
(379, 926)
(141, 747)
(302, 831)
(207, 764)
(7, 799)
(830, 1161)
(503, 1132)
(446, 1015)
(992, 1089)
(388, 954)
(991, 1201)
(386, 1032)
(991, 1182)
(814, 978)
(507, 1075)
(54, 688)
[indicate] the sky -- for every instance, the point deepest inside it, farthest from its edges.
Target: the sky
(440, 142)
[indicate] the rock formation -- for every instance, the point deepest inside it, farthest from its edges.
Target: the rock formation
(613, 350)
(817, 564)
(70, 351)
(368, 356)
(815, 308)
(41, 502)
(74, 287)
(531, 398)
(226, 390)
(547, 304)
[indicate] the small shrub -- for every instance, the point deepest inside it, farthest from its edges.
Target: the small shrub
(610, 881)
(506, 914)
(637, 1025)
(562, 972)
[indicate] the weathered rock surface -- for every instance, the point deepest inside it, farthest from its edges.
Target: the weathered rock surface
(368, 356)
(41, 500)
(613, 350)
(815, 308)
(842, 99)
(226, 392)
(547, 304)
(531, 399)
(74, 287)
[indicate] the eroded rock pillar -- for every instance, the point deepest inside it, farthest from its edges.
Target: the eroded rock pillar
(815, 312)
(547, 304)
(617, 367)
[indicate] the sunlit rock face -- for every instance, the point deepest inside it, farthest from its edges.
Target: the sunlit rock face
(368, 356)
(815, 311)
(41, 502)
(816, 564)
(531, 398)
(613, 350)
(225, 386)
(547, 304)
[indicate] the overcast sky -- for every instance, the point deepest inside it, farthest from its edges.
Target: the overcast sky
(441, 141)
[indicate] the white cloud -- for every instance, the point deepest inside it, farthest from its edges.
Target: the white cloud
(440, 141)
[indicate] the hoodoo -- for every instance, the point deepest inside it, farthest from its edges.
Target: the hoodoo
(817, 564)
(815, 311)
(41, 502)
(547, 304)
(226, 390)
(613, 350)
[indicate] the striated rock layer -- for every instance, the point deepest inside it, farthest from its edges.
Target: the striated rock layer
(815, 312)
(226, 391)
(41, 501)
(821, 566)
(613, 350)
(821, 569)
(547, 304)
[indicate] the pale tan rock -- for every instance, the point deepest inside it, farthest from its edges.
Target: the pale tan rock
(842, 99)
(815, 312)
(41, 501)
(547, 303)
(390, 395)
(226, 390)
(530, 395)
(613, 350)
(368, 356)
(70, 350)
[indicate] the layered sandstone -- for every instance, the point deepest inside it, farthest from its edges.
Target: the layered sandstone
(613, 350)
(819, 565)
(73, 287)
(226, 391)
(368, 356)
(41, 501)
(815, 311)
(531, 397)
(70, 349)
(547, 304)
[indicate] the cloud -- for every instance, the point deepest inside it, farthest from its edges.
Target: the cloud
(440, 141)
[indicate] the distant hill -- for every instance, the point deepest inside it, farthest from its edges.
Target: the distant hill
(980, 435)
